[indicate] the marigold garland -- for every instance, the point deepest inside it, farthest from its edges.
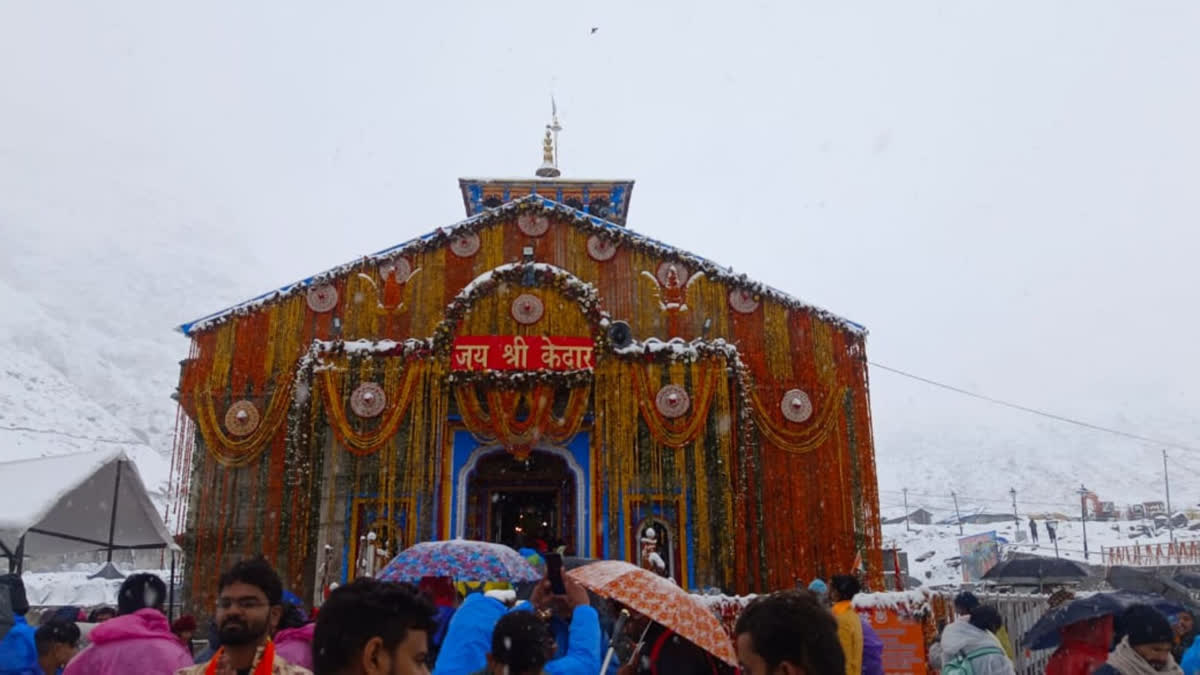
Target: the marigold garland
(499, 423)
(783, 433)
(400, 395)
(678, 432)
(236, 452)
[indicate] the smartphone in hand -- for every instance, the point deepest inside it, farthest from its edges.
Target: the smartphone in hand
(554, 572)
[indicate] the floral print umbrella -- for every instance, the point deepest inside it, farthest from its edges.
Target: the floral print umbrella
(660, 600)
(461, 559)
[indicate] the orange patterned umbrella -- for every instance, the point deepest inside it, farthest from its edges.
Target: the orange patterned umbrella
(659, 599)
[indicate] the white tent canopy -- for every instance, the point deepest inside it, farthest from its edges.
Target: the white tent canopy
(65, 504)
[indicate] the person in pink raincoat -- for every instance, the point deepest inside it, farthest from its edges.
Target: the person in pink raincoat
(293, 642)
(138, 640)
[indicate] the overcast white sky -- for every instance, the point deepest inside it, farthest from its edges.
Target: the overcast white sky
(1003, 192)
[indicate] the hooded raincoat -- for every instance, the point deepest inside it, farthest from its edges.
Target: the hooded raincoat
(961, 638)
(294, 645)
(141, 642)
(18, 655)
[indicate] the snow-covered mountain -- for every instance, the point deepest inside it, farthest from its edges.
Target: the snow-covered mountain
(93, 278)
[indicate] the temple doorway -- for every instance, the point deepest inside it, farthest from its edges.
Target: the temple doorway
(522, 501)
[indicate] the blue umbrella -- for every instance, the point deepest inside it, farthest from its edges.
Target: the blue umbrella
(460, 559)
(1045, 633)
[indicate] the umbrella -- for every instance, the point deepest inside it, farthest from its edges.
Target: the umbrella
(525, 589)
(460, 559)
(1035, 571)
(1144, 581)
(1044, 634)
(1188, 579)
(660, 600)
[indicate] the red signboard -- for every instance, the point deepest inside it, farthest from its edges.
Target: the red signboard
(516, 352)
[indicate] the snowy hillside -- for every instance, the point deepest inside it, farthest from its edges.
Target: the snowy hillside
(92, 282)
(935, 442)
(938, 545)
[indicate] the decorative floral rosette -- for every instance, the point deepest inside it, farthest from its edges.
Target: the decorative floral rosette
(672, 401)
(368, 400)
(796, 406)
(465, 245)
(400, 269)
(664, 273)
(533, 225)
(242, 418)
(600, 248)
(322, 298)
(527, 309)
(743, 301)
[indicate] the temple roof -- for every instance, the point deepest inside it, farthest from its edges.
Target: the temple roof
(604, 198)
(576, 217)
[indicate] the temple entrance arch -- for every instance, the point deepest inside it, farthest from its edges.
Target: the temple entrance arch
(521, 501)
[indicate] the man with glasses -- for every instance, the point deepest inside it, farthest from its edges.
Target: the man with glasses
(249, 606)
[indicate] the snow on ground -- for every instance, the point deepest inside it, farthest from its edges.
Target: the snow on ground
(942, 542)
(51, 589)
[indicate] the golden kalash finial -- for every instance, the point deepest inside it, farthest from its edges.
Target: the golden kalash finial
(549, 167)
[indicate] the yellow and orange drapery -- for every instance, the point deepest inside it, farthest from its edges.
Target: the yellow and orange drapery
(792, 436)
(685, 429)
(503, 423)
(233, 451)
(400, 379)
(684, 463)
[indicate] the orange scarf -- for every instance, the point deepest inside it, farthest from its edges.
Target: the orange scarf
(265, 664)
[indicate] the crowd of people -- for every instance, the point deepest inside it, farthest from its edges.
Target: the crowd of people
(367, 626)
(373, 627)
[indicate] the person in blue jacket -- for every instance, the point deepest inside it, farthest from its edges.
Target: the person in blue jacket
(1191, 659)
(520, 642)
(18, 649)
(469, 638)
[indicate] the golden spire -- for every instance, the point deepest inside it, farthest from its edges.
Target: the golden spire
(549, 167)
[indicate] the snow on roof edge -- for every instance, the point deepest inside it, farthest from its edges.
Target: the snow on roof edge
(102, 458)
(545, 203)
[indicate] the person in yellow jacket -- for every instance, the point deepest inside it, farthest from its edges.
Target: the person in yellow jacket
(842, 589)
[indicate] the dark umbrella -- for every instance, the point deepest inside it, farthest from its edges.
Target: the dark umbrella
(1044, 634)
(1143, 581)
(1036, 571)
(1188, 579)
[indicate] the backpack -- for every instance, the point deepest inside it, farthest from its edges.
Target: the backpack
(961, 664)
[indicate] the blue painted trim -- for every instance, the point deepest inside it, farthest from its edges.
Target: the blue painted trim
(464, 444)
(476, 192)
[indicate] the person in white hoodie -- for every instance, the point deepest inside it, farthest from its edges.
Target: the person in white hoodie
(974, 642)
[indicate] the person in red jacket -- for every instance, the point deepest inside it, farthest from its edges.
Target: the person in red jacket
(1084, 647)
